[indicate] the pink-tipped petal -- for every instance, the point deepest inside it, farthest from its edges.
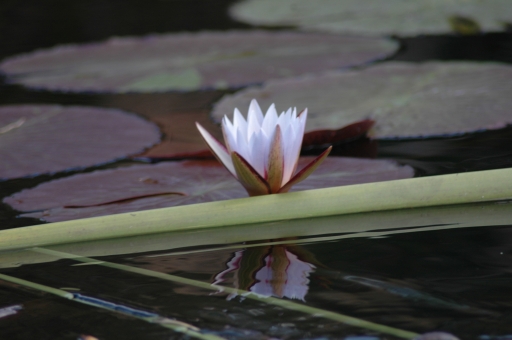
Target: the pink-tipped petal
(248, 177)
(218, 150)
(275, 162)
(306, 171)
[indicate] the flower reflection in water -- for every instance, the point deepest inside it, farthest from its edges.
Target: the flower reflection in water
(269, 271)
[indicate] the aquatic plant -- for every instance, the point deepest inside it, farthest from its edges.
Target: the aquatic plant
(262, 152)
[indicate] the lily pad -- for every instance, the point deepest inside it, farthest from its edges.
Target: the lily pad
(190, 61)
(175, 114)
(400, 17)
(37, 139)
(142, 187)
(404, 99)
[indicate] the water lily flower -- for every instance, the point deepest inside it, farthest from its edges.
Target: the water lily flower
(262, 152)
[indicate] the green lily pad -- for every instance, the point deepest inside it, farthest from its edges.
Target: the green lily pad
(404, 99)
(190, 61)
(400, 17)
(36, 139)
(143, 187)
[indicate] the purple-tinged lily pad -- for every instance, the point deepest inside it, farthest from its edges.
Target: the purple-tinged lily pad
(190, 61)
(37, 139)
(177, 113)
(142, 187)
(400, 17)
(404, 99)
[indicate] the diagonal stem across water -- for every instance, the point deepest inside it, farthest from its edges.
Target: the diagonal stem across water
(352, 321)
(175, 325)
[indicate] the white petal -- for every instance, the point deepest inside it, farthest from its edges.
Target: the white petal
(229, 130)
(257, 150)
(284, 119)
(217, 148)
(270, 121)
(242, 146)
(292, 135)
(292, 159)
(255, 110)
(229, 134)
(228, 125)
(288, 149)
(254, 118)
(239, 122)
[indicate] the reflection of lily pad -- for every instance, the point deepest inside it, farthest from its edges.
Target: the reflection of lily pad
(405, 100)
(169, 184)
(401, 17)
(48, 138)
(190, 61)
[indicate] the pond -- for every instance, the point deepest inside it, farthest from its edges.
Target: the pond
(375, 275)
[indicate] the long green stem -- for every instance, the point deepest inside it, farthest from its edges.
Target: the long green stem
(480, 186)
(283, 232)
(270, 300)
(176, 326)
(37, 286)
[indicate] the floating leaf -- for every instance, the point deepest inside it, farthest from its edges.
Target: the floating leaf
(405, 100)
(176, 114)
(38, 139)
(168, 184)
(401, 17)
(344, 134)
(190, 61)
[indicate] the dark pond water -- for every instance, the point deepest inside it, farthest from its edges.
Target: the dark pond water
(454, 280)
